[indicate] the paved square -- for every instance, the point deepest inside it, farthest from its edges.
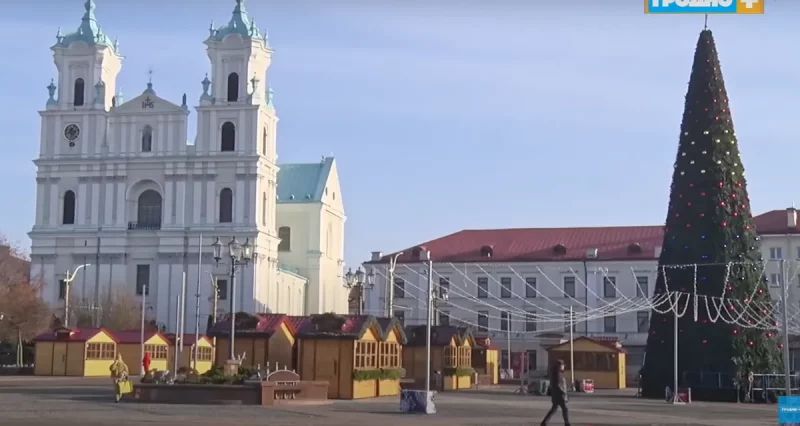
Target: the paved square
(89, 402)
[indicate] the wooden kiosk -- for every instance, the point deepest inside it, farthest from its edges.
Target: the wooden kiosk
(205, 353)
(87, 352)
(486, 361)
(129, 345)
(451, 356)
(600, 360)
(267, 340)
(354, 354)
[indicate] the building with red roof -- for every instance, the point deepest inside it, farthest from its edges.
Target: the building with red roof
(492, 276)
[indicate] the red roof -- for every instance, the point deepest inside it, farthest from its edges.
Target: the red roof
(135, 336)
(71, 335)
(559, 244)
(188, 339)
(266, 324)
(297, 322)
(609, 342)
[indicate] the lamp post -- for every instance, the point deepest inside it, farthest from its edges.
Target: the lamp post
(68, 279)
(240, 255)
(359, 280)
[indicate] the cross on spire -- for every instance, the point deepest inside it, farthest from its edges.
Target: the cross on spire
(705, 24)
(150, 75)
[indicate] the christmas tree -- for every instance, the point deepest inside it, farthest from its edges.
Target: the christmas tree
(709, 224)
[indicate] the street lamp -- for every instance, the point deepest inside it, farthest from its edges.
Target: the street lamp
(359, 280)
(240, 255)
(68, 279)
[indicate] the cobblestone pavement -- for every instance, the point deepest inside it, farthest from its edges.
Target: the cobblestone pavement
(88, 402)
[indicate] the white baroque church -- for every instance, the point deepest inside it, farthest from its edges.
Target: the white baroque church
(119, 186)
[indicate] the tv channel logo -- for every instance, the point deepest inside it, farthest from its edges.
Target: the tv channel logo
(730, 7)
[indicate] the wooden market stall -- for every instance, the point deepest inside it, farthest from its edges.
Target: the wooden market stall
(266, 340)
(87, 352)
(205, 353)
(486, 361)
(129, 345)
(354, 354)
(451, 355)
(601, 360)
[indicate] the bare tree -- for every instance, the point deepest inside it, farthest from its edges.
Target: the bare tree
(117, 310)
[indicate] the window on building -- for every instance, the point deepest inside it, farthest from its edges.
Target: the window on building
(504, 321)
(399, 288)
(531, 355)
(569, 321)
(79, 92)
(569, 287)
(642, 321)
(483, 321)
(483, 287)
(366, 355)
(450, 357)
(228, 137)
(205, 354)
(233, 87)
(62, 289)
(775, 253)
(226, 205)
(505, 287)
(609, 287)
(264, 142)
(68, 215)
(610, 324)
(642, 286)
(775, 279)
(530, 287)
(142, 279)
(504, 361)
(530, 321)
(147, 138)
(264, 209)
(285, 235)
(798, 252)
(148, 210)
(222, 289)
(588, 361)
(444, 318)
(389, 355)
(104, 351)
(157, 351)
(444, 286)
(401, 317)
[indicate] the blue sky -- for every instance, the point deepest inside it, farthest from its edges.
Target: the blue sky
(467, 114)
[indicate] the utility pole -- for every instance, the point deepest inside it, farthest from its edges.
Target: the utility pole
(390, 285)
(197, 301)
(428, 326)
(68, 279)
(785, 325)
(141, 349)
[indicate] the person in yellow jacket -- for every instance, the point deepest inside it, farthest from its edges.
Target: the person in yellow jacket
(119, 374)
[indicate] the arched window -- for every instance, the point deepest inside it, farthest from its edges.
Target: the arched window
(264, 142)
(285, 234)
(147, 138)
(77, 96)
(233, 87)
(226, 206)
(228, 137)
(264, 210)
(148, 212)
(329, 240)
(68, 215)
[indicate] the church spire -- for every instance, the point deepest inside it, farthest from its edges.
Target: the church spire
(240, 23)
(89, 31)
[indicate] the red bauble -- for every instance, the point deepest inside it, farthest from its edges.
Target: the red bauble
(735, 331)
(751, 343)
(705, 341)
(724, 224)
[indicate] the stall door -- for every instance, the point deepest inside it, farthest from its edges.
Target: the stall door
(59, 359)
(328, 365)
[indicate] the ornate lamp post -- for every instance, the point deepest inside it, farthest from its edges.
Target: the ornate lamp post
(240, 255)
(359, 281)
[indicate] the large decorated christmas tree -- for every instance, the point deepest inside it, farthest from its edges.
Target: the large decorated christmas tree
(709, 224)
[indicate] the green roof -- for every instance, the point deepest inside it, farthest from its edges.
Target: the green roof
(303, 183)
(88, 32)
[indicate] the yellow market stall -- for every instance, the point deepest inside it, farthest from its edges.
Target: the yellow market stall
(451, 355)
(351, 353)
(602, 361)
(129, 345)
(205, 353)
(262, 339)
(486, 361)
(87, 352)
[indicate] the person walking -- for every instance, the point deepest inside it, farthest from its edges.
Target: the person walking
(558, 393)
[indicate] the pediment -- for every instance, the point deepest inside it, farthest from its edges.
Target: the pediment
(148, 103)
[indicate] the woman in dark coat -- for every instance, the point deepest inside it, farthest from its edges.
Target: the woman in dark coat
(558, 393)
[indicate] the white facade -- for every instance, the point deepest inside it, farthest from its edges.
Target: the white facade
(120, 187)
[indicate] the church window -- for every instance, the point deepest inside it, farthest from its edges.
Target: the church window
(68, 216)
(285, 235)
(264, 142)
(233, 87)
(147, 138)
(264, 209)
(148, 210)
(329, 240)
(226, 206)
(228, 137)
(79, 90)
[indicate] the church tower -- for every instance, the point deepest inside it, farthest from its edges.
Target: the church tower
(236, 132)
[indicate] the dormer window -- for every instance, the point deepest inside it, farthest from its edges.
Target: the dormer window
(634, 248)
(487, 251)
(560, 249)
(415, 253)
